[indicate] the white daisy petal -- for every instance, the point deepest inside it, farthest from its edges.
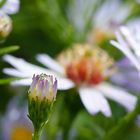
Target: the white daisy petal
(11, 6)
(119, 95)
(125, 31)
(64, 83)
(22, 82)
(122, 47)
(50, 63)
(27, 68)
(13, 72)
(94, 101)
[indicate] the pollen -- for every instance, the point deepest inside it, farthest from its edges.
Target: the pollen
(85, 64)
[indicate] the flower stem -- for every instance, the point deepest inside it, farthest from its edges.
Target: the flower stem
(117, 131)
(36, 135)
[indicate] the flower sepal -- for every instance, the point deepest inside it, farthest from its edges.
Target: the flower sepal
(39, 111)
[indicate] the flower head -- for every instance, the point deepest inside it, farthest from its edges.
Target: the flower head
(5, 25)
(86, 65)
(83, 66)
(44, 87)
(7, 7)
(42, 94)
(97, 21)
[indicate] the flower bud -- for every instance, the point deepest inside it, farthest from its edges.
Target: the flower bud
(42, 94)
(5, 25)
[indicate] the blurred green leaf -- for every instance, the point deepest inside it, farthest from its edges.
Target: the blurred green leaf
(8, 80)
(8, 49)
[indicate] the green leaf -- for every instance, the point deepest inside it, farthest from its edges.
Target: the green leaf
(8, 80)
(8, 49)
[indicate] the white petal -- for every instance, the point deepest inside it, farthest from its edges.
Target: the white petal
(11, 6)
(122, 47)
(26, 68)
(50, 63)
(22, 82)
(106, 12)
(119, 95)
(125, 31)
(64, 83)
(94, 101)
(13, 72)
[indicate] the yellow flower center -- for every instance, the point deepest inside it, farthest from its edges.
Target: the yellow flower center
(99, 35)
(85, 64)
(21, 133)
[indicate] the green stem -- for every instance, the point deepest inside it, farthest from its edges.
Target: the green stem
(36, 135)
(117, 131)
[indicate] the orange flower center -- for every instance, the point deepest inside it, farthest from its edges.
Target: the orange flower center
(83, 71)
(85, 64)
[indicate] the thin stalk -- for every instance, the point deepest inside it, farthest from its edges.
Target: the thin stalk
(36, 135)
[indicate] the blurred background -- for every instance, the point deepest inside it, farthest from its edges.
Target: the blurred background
(51, 26)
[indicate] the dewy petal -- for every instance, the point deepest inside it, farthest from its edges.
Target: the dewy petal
(22, 82)
(119, 95)
(50, 63)
(64, 83)
(94, 101)
(11, 6)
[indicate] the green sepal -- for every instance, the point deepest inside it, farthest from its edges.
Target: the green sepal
(39, 111)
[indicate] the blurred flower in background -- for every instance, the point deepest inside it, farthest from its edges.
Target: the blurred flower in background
(128, 41)
(7, 7)
(15, 123)
(83, 66)
(96, 20)
(127, 75)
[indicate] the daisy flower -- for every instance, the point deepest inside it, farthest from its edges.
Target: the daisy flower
(15, 123)
(8, 7)
(101, 18)
(81, 66)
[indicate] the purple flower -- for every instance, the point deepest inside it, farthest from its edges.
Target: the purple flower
(43, 86)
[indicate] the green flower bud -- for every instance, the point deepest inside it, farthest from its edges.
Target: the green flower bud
(42, 94)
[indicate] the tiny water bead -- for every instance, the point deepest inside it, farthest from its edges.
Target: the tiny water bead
(85, 64)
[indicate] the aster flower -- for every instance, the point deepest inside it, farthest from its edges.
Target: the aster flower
(15, 123)
(128, 41)
(7, 7)
(100, 19)
(42, 94)
(83, 67)
(127, 75)
(5, 25)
